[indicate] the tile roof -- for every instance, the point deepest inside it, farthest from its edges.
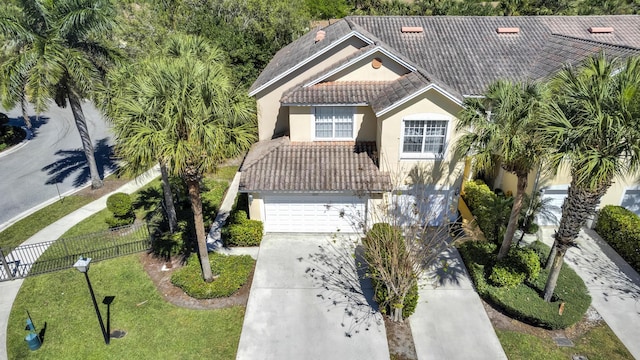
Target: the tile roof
(467, 54)
(335, 93)
(281, 165)
(377, 94)
(299, 50)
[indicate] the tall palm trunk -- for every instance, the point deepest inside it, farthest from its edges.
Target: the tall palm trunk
(578, 206)
(25, 116)
(87, 146)
(513, 218)
(193, 185)
(168, 198)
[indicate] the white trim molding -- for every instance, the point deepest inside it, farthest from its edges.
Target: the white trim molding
(418, 93)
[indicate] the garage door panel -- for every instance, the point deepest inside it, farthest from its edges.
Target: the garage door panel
(552, 210)
(303, 213)
(631, 200)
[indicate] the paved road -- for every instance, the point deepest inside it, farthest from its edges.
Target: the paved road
(51, 162)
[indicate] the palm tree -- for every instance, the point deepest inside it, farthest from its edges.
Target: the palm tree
(595, 122)
(53, 54)
(181, 108)
(501, 128)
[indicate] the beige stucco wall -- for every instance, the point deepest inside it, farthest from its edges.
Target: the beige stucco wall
(563, 178)
(364, 71)
(273, 119)
(444, 172)
(255, 207)
(301, 120)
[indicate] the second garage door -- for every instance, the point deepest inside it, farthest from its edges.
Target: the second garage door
(306, 213)
(553, 199)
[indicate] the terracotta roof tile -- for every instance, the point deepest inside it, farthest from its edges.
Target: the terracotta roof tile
(281, 165)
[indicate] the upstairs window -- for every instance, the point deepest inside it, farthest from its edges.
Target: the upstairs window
(424, 137)
(334, 122)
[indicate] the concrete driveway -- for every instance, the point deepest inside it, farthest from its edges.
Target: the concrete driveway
(307, 302)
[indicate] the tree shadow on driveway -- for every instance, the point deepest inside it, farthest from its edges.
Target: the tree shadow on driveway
(339, 270)
(74, 163)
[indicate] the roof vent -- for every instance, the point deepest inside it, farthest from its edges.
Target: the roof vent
(508, 30)
(601, 30)
(412, 29)
(320, 35)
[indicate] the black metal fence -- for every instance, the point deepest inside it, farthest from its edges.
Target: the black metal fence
(49, 256)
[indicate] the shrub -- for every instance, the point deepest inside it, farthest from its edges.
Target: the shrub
(247, 233)
(490, 210)
(381, 296)
(232, 272)
(476, 193)
(524, 301)
(167, 244)
(121, 207)
(238, 217)
(120, 204)
(503, 275)
(620, 228)
(520, 264)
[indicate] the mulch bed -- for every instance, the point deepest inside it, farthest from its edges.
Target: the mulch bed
(173, 294)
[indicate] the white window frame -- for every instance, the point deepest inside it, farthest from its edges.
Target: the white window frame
(334, 138)
(426, 117)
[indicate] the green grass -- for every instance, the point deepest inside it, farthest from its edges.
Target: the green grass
(524, 301)
(597, 343)
(155, 328)
(22, 230)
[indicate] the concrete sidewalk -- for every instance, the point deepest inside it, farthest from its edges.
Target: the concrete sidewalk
(450, 321)
(613, 285)
(9, 289)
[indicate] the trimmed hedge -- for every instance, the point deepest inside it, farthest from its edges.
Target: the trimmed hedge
(232, 272)
(240, 231)
(524, 301)
(620, 228)
(121, 207)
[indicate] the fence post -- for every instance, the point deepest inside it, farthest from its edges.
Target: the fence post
(6, 266)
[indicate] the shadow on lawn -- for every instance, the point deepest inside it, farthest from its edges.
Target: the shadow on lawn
(343, 283)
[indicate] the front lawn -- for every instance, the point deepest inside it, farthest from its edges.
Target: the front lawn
(597, 343)
(155, 329)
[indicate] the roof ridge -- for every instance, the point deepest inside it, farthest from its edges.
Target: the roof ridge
(596, 42)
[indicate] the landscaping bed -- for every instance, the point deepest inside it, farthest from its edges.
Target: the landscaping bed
(524, 301)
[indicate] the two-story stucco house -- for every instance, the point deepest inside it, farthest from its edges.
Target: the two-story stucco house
(347, 111)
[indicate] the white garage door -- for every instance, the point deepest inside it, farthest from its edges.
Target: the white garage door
(552, 212)
(305, 213)
(431, 207)
(631, 200)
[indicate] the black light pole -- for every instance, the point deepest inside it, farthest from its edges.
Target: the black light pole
(83, 266)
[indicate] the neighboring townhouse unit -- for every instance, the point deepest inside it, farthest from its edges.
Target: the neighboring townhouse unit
(350, 112)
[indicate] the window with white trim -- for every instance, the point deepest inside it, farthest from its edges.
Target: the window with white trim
(334, 122)
(424, 137)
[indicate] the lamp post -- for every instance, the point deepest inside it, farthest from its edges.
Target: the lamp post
(83, 266)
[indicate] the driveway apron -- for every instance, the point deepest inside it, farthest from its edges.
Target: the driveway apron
(450, 321)
(307, 302)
